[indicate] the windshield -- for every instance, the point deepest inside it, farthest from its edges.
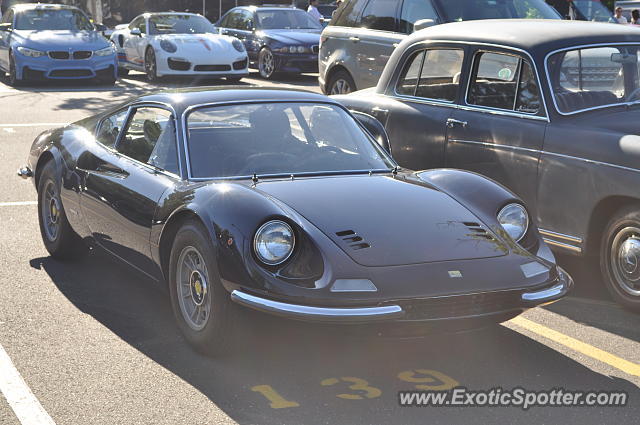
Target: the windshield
(593, 10)
(467, 10)
(279, 139)
(179, 24)
(594, 77)
(53, 20)
(286, 19)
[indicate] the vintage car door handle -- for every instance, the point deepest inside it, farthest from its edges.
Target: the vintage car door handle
(451, 122)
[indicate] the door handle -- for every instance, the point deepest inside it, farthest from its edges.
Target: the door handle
(451, 122)
(379, 109)
(354, 39)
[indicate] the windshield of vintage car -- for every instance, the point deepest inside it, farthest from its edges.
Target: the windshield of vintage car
(279, 139)
(53, 20)
(467, 10)
(179, 24)
(594, 77)
(286, 19)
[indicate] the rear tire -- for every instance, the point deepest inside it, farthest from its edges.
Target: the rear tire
(620, 257)
(341, 82)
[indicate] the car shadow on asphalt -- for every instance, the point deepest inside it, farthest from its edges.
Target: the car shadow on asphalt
(290, 372)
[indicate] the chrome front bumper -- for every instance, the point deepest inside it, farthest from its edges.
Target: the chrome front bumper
(25, 172)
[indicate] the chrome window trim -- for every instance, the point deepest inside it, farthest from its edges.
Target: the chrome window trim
(190, 109)
(580, 47)
(544, 113)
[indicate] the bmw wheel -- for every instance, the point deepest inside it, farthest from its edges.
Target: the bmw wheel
(151, 65)
(620, 258)
(266, 63)
(341, 83)
(13, 72)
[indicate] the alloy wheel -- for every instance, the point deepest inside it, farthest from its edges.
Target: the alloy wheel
(193, 288)
(266, 63)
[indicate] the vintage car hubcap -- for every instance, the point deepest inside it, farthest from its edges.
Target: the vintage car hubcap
(341, 86)
(625, 260)
(51, 212)
(266, 67)
(193, 288)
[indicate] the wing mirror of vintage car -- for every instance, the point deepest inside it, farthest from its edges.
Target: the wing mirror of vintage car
(422, 24)
(136, 31)
(5, 27)
(374, 128)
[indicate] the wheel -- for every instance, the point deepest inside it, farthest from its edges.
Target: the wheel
(58, 236)
(620, 257)
(150, 65)
(266, 63)
(202, 307)
(122, 72)
(13, 72)
(234, 80)
(341, 83)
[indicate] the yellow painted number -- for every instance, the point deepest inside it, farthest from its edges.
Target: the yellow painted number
(276, 401)
(428, 379)
(357, 384)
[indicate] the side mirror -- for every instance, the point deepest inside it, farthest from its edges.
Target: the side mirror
(136, 31)
(250, 26)
(5, 27)
(374, 128)
(422, 24)
(100, 27)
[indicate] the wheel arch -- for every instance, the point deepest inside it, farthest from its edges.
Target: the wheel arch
(44, 158)
(600, 216)
(339, 66)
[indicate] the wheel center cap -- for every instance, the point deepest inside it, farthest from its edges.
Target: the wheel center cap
(198, 287)
(629, 252)
(54, 210)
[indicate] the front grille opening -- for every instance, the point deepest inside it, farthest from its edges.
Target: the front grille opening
(71, 73)
(82, 54)
(59, 55)
(240, 64)
(177, 65)
(211, 68)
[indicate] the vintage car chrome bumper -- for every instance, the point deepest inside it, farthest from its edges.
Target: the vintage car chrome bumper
(25, 172)
(383, 313)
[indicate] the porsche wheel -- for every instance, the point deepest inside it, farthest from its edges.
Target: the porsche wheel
(151, 65)
(58, 236)
(266, 63)
(620, 257)
(202, 307)
(341, 83)
(14, 81)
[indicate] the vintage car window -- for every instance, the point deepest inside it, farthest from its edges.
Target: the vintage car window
(150, 138)
(415, 10)
(438, 71)
(179, 24)
(528, 98)
(594, 77)
(380, 15)
(494, 82)
(110, 127)
(467, 10)
(408, 80)
(349, 13)
(279, 139)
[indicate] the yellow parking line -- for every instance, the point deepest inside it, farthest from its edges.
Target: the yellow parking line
(579, 346)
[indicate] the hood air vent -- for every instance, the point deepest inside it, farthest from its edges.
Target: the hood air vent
(355, 242)
(477, 230)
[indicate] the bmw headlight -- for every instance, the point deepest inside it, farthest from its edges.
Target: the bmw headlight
(105, 52)
(514, 220)
(168, 46)
(32, 53)
(274, 242)
(237, 44)
(293, 49)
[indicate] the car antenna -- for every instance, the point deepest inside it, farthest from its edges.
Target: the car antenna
(254, 179)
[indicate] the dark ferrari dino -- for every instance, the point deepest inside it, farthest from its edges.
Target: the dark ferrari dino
(286, 203)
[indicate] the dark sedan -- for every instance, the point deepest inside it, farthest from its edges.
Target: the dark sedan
(277, 39)
(548, 108)
(283, 202)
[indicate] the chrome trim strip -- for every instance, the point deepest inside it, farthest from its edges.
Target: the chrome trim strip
(322, 314)
(560, 236)
(562, 245)
(494, 145)
(554, 291)
(580, 47)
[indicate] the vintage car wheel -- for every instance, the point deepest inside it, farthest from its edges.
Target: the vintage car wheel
(266, 63)
(150, 65)
(202, 307)
(341, 83)
(58, 236)
(620, 258)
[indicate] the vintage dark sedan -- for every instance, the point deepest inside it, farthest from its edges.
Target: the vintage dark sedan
(550, 109)
(282, 201)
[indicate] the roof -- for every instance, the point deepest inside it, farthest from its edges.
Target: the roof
(32, 6)
(272, 7)
(533, 35)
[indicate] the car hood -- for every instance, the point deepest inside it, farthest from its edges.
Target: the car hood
(382, 221)
(62, 40)
(309, 36)
(200, 42)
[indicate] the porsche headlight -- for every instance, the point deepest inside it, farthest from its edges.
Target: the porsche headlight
(168, 46)
(514, 220)
(105, 52)
(237, 44)
(32, 53)
(274, 242)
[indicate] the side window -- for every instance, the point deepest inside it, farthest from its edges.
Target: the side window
(135, 23)
(413, 11)
(350, 13)
(224, 22)
(380, 15)
(143, 26)
(246, 21)
(110, 127)
(150, 137)
(504, 81)
(8, 17)
(408, 80)
(440, 75)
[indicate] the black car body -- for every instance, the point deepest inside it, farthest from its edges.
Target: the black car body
(277, 39)
(377, 244)
(548, 108)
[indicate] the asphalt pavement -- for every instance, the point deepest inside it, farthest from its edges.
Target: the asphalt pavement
(93, 342)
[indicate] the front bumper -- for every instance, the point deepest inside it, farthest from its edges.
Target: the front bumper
(221, 67)
(292, 62)
(44, 68)
(523, 300)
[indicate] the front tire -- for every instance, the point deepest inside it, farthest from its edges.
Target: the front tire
(267, 63)
(151, 65)
(14, 81)
(620, 257)
(202, 307)
(58, 236)
(341, 83)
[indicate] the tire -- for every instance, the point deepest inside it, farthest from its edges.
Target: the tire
(267, 65)
(194, 283)
(58, 236)
(620, 257)
(341, 82)
(13, 79)
(151, 65)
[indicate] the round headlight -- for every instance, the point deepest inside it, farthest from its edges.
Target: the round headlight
(301, 49)
(292, 49)
(274, 242)
(514, 220)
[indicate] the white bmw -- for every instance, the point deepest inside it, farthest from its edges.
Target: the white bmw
(162, 44)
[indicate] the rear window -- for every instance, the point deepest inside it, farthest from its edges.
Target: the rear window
(348, 13)
(467, 10)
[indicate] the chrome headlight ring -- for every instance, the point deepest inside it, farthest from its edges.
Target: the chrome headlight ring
(514, 219)
(274, 242)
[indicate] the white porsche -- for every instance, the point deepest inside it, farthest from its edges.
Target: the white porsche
(160, 44)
